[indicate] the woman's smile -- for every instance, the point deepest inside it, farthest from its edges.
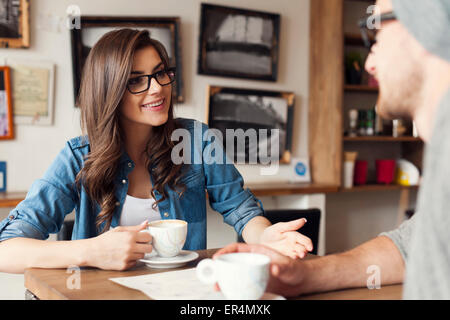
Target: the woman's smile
(154, 106)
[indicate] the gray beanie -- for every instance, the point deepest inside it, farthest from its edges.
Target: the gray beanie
(428, 21)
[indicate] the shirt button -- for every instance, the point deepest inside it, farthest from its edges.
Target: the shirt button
(124, 181)
(11, 217)
(130, 164)
(166, 214)
(117, 203)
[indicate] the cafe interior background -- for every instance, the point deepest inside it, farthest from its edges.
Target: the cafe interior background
(318, 59)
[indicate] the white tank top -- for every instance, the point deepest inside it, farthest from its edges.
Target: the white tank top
(136, 210)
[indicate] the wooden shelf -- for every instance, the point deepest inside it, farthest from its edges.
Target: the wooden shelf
(360, 88)
(11, 199)
(377, 187)
(372, 1)
(283, 189)
(382, 139)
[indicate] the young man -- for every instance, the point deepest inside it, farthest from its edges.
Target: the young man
(411, 60)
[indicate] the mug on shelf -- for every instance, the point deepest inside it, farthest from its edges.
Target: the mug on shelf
(360, 175)
(385, 169)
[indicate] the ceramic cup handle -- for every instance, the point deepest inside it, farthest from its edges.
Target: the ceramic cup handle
(145, 230)
(206, 271)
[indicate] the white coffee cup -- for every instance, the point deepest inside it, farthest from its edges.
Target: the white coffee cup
(241, 276)
(168, 236)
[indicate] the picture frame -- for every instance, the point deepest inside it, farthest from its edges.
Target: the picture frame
(32, 88)
(14, 23)
(238, 43)
(164, 29)
(6, 109)
(233, 108)
(3, 179)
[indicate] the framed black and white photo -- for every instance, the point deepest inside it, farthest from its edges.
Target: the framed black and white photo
(164, 29)
(6, 112)
(14, 24)
(266, 115)
(238, 43)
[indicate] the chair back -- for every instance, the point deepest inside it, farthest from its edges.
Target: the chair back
(310, 229)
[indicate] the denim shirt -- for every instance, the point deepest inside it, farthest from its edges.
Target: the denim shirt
(55, 195)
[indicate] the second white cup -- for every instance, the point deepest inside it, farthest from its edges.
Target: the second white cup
(241, 276)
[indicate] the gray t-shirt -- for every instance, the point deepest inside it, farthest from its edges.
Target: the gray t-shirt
(424, 240)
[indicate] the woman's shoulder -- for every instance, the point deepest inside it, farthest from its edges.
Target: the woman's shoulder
(78, 147)
(78, 142)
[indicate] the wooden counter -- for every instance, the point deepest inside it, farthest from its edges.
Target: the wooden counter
(12, 199)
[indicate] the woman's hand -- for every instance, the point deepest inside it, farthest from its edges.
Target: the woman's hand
(286, 274)
(284, 238)
(119, 248)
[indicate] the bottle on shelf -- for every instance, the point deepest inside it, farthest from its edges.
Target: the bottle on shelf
(353, 116)
(370, 123)
(361, 122)
(379, 124)
(398, 128)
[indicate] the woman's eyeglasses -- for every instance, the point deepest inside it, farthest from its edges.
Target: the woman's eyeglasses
(142, 83)
(368, 28)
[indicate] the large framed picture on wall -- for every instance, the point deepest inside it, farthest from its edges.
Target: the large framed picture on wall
(238, 43)
(251, 122)
(14, 23)
(164, 29)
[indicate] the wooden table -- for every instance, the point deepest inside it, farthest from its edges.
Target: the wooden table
(51, 284)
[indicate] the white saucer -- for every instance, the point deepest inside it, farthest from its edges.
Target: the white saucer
(152, 259)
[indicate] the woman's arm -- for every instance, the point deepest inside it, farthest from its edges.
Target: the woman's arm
(282, 236)
(254, 229)
(117, 249)
(18, 254)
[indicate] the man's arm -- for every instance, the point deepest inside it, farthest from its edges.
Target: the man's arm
(349, 269)
(338, 271)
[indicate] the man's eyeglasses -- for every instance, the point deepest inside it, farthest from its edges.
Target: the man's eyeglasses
(368, 27)
(142, 83)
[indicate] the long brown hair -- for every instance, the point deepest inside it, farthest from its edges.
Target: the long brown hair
(103, 85)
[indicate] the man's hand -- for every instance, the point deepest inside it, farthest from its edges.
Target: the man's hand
(286, 274)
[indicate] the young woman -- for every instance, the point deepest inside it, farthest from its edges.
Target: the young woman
(120, 175)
